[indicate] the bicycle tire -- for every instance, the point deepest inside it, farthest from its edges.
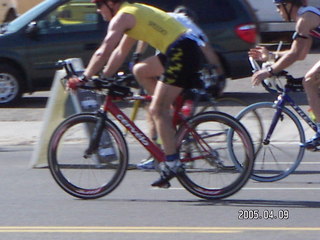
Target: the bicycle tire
(227, 105)
(212, 174)
(87, 177)
(231, 106)
(282, 155)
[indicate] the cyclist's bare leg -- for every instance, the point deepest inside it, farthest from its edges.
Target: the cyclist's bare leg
(160, 106)
(147, 72)
(311, 85)
(164, 96)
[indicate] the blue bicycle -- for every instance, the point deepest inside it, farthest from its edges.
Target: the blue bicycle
(278, 136)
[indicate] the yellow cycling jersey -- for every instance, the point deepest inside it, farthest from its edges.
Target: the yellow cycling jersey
(153, 25)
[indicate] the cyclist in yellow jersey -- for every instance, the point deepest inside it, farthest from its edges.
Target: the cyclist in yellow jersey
(147, 71)
(165, 29)
(130, 22)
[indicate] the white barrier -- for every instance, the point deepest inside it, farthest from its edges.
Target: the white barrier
(60, 105)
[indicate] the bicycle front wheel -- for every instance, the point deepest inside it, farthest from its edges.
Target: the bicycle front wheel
(277, 157)
(227, 105)
(206, 150)
(82, 175)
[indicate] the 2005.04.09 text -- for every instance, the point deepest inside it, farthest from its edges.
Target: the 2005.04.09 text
(266, 214)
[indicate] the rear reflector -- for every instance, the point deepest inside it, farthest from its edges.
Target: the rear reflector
(247, 32)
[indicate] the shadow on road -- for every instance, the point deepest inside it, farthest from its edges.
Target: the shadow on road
(262, 203)
(228, 202)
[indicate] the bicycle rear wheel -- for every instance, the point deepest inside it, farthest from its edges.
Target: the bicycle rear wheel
(206, 150)
(93, 176)
(281, 155)
(227, 105)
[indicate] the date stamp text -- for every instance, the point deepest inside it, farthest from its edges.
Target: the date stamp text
(266, 214)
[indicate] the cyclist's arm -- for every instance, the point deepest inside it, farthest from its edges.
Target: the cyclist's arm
(277, 54)
(118, 56)
(301, 45)
(117, 26)
(212, 57)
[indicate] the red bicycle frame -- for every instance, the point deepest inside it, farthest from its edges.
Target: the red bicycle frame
(110, 106)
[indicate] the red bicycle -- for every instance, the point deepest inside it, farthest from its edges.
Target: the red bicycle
(88, 154)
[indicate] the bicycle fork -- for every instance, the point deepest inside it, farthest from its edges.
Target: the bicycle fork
(279, 104)
(96, 135)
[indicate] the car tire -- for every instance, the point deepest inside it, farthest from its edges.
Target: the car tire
(11, 85)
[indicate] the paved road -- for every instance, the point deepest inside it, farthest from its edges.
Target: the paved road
(34, 207)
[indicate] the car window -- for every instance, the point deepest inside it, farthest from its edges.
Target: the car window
(74, 16)
(210, 11)
(207, 11)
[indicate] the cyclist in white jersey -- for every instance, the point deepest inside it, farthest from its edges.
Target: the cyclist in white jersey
(148, 70)
(307, 20)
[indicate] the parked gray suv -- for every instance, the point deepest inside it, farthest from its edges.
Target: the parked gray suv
(59, 29)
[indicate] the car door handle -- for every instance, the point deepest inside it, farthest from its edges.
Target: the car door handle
(91, 46)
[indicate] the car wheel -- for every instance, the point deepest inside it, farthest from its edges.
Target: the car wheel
(10, 85)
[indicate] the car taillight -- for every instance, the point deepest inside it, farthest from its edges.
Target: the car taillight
(247, 32)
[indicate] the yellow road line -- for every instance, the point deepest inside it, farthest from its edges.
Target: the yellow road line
(99, 229)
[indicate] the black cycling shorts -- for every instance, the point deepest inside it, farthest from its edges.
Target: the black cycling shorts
(182, 64)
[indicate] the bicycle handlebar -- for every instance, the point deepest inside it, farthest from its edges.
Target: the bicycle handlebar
(273, 84)
(254, 65)
(97, 84)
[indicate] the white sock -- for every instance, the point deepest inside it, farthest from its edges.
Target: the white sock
(171, 164)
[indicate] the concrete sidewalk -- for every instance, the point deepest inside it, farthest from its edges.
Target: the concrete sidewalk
(19, 133)
(15, 133)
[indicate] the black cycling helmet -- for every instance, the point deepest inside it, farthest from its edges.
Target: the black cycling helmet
(186, 11)
(298, 3)
(183, 9)
(105, 2)
(295, 2)
(96, 1)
